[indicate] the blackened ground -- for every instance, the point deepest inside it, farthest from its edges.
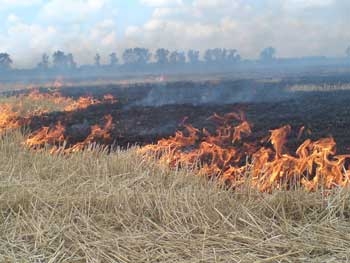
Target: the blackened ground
(322, 113)
(147, 112)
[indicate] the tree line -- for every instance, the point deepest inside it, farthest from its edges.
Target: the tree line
(142, 56)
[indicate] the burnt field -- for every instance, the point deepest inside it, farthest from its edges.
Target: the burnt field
(144, 113)
(250, 187)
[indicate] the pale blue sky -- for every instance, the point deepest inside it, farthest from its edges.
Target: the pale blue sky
(84, 27)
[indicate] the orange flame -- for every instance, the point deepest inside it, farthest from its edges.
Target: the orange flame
(85, 102)
(54, 97)
(82, 103)
(97, 134)
(9, 119)
(231, 153)
(72, 105)
(53, 136)
(225, 154)
(46, 135)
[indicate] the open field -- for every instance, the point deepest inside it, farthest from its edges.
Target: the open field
(94, 207)
(174, 131)
(60, 201)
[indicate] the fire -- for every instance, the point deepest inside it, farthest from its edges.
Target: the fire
(12, 119)
(69, 104)
(57, 98)
(55, 138)
(15, 115)
(46, 135)
(98, 134)
(54, 97)
(85, 102)
(82, 103)
(234, 156)
(232, 153)
(278, 139)
(9, 119)
(109, 98)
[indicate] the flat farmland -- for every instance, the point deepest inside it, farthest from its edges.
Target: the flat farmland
(75, 188)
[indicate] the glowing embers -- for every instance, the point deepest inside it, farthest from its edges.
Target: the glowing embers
(234, 156)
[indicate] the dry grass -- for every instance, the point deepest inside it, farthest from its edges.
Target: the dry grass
(94, 207)
(25, 105)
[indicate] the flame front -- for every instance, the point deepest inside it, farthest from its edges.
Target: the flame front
(55, 97)
(46, 136)
(15, 115)
(97, 134)
(232, 153)
(233, 158)
(9, 119)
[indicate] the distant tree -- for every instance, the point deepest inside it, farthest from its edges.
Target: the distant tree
(177, 57)
(232, 55)
(63, 61)
(59, 60)
(220, 54)
(136, 56)
(181, 57)
(268, 54)
(215, 55)
(143, 55)
(97, 60)
(5, 61)
(70, 61)
(193, 56)
(129, 56)
(347, 52)
(208, 57)
(113, 59)
(44, 63)
(161, 56)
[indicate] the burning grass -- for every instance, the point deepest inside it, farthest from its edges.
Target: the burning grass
(119, 207)
(19, 112)
(98, 205)
(232, 154)
(234, 157)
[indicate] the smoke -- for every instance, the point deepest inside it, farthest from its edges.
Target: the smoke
(214, 93)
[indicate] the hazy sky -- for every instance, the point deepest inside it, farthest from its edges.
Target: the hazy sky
(295, 27)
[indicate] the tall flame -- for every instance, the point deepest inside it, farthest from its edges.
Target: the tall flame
(230, 155)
